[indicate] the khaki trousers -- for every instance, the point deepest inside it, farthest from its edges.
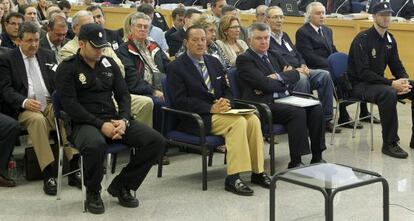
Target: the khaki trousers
(38, 125)
(244, 141)
(141, 109)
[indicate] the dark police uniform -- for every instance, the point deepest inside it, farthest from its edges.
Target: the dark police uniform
(86, 95)
(369, 55)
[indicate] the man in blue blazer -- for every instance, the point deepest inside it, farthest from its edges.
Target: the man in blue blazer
(264, 77)
(197, 84)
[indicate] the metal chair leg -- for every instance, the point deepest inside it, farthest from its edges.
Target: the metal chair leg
(108, 169)
(371, 108)
(83, 186)
(335, 122)
(356, 119)
(60, 162)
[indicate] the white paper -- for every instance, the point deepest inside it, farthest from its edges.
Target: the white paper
(297, 101)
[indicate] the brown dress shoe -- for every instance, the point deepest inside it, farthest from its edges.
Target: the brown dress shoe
(329, 128)
(6, 182)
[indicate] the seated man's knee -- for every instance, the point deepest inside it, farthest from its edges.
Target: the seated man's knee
(388, 94)
(36, 118)
(302, 85)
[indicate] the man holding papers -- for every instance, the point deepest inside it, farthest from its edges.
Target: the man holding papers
(196, 82)
(264, 77)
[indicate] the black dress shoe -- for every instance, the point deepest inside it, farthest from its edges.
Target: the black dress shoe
(124, 196)
(295, 165)
(238, 187)
(261, 179)
(368, 119)
(350, 124)
(320, 160)
(329, 128)
(394, 150)
(94, 202)
(6, 182)
(75, 180)
(49, 186)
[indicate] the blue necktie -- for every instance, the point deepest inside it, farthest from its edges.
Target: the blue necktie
(276, 95)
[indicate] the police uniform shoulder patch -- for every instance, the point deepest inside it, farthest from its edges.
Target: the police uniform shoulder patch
(106, 63)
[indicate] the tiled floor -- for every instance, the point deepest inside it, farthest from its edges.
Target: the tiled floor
(178, 195)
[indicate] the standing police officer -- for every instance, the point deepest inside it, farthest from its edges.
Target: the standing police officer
(86, 82)
(370, 53)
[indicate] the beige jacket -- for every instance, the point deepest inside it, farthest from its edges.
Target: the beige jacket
(229, 52)
(72, 47)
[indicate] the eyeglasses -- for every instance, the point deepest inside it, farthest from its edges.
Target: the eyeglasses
(275, 17)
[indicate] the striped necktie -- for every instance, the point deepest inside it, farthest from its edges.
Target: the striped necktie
(206, 77)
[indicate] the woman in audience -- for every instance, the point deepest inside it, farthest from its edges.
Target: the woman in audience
(42, 10)
(228, 39)
(7, 7)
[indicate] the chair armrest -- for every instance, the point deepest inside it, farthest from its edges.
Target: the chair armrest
(264, 111)
(194, 116)
(240, 104)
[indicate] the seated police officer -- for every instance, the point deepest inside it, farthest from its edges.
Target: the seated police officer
(371, 52)
(86, 82)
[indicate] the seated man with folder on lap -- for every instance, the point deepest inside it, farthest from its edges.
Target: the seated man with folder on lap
(264, 76)
(196, 82)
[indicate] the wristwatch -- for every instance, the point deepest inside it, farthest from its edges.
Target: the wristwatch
(126, 122)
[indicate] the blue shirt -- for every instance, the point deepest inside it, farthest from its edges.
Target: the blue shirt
(158, 36)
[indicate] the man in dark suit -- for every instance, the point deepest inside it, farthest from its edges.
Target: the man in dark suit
(263, 77)
(314, 41)
(28, 75)
(55, 37)
(175, 40)
(112, 36)
(178, 21)
(9, 131)
(197, 84)
(312, 79)
(11, 25)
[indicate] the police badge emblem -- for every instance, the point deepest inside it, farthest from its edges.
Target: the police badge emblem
(82, 78)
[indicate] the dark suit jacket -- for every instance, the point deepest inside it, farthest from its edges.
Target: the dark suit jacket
(314, 48)
(6, 41)
(175, 41)
(253, 76)
(44, 43)
(189, 92)
(15, 83)
(3, 50)
(170, 31)
(293, 57)
(113, 37)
